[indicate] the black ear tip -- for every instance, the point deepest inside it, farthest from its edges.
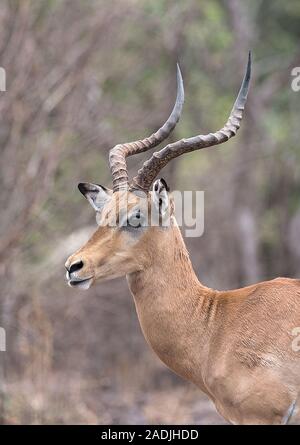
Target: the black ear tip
(82, 187)
(165, 184)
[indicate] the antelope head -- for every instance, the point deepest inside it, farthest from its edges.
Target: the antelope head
(134, 216)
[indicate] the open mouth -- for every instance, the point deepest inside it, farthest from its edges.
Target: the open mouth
(81, 284)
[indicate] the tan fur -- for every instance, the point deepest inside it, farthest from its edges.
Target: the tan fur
(236, 345)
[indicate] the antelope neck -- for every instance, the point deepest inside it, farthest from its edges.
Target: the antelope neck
(175, 310)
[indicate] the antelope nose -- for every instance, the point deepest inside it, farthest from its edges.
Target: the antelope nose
(75, 266)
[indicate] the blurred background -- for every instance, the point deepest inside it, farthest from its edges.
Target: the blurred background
(83, 76)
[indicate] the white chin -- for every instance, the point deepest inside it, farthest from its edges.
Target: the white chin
(82, 285)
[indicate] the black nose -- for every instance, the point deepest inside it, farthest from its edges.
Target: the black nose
(76, 266)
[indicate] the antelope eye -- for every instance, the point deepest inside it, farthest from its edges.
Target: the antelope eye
(134, 220)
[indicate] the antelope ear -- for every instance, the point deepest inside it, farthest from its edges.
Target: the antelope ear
(96, 194)
(160, 196)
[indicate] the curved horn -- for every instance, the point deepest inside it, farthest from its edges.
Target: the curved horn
(158, 160)
(118, 154)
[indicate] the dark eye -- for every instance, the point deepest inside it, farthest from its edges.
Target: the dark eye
(135, 220)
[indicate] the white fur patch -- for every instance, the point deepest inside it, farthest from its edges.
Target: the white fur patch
(160, 196)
